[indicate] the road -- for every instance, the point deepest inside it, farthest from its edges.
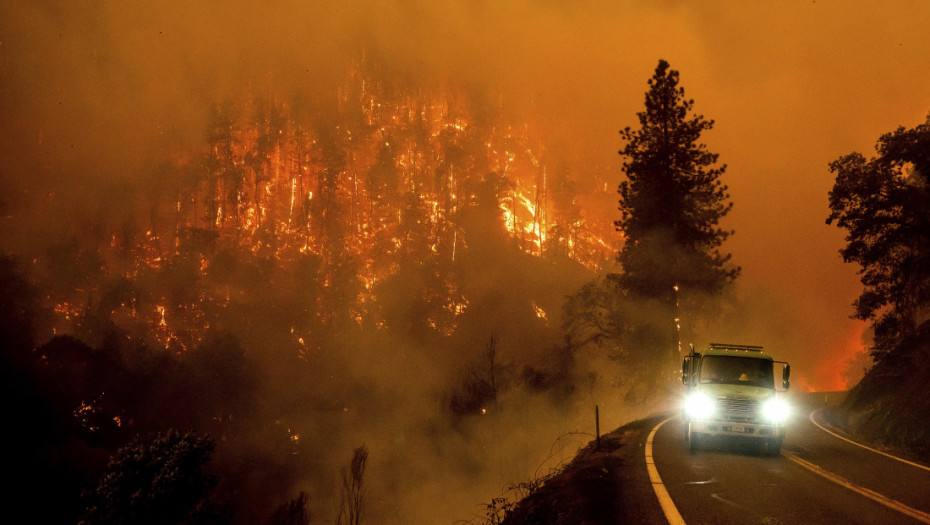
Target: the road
(818, 478)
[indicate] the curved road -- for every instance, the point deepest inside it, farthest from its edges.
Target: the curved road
(818, 478)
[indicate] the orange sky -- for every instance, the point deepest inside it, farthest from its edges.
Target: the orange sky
(791, 86)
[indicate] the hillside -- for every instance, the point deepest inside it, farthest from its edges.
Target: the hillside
(600, 486)
(888, 408)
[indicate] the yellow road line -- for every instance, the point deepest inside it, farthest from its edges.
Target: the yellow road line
(821, 427)
(665, 501)
(871, 494)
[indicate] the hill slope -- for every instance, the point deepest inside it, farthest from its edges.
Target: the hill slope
(889, 407)
(599, 487)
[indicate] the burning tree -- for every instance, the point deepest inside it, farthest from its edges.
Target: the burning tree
(384, 219)
(380, 184)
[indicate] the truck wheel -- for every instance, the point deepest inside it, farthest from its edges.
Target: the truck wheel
(694, 440)
(774, 446)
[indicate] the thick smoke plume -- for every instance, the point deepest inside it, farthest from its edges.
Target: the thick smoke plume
(110, 110)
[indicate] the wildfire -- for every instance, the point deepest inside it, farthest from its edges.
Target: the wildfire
(540, 313)
(393, 182)
(457, 306)
(84, 413)
(67, 310)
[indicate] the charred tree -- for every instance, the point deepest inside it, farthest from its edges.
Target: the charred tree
(353, 488)
(224, 175)
(269, 122)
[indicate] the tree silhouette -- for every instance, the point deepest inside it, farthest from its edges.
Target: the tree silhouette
(157, 481)
(672, 201)
(292, 512)
(882, 203)
(353, 488)
(224, 177)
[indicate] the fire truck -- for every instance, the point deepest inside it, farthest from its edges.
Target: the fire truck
(731, 391)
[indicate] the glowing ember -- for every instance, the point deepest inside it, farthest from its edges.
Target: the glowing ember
(540, 313)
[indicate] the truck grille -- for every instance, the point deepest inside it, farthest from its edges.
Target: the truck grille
(737, 409)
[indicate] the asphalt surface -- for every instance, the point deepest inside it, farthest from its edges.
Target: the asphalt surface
(818, 478)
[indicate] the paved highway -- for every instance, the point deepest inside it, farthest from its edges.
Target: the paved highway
(818, 478)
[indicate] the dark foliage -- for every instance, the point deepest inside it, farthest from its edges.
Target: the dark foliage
(594, 314)
(88, 388)
(884, 205)
(672, 201)
(293, 512)
(156, 481)
(75, 404)
(671, 206)
(888, 407)
(35, 440)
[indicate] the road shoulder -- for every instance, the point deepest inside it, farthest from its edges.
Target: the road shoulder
(606, 486)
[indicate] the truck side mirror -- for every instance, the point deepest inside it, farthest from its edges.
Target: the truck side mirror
(786, 375)
(686, 370)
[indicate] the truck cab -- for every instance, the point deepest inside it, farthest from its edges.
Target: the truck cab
(731, 392)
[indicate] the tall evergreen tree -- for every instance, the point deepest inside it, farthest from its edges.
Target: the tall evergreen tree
(671, 205)
(672, 201)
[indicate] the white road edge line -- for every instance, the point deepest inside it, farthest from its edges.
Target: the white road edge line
(665, 501)
(821, 427)
(871, 494)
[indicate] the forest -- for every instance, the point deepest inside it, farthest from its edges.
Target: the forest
(386, 302)
(382, 277)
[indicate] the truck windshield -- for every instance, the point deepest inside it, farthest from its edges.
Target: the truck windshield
(734, 370)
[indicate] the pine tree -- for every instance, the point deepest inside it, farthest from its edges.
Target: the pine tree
(671, 205)
(673, 200)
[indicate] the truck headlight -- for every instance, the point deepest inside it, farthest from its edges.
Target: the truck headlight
(776, 410)
(699, 406)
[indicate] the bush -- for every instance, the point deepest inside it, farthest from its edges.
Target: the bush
(155, 482)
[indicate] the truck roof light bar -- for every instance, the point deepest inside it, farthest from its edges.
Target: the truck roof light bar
(724, 346)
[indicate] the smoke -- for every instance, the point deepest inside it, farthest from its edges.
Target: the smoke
(97, 98)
